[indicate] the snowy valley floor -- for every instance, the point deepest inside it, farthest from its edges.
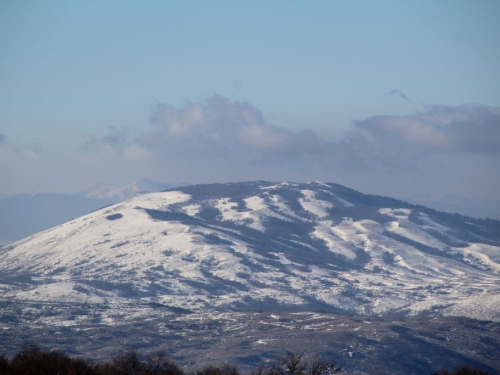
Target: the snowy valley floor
(361, 344)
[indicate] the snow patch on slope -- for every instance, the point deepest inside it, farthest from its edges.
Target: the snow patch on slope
(316, 207)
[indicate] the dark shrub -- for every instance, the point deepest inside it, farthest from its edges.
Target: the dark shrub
(31, 360)
(4, 365)
(213, 370)
(159, 364)
(462, 370)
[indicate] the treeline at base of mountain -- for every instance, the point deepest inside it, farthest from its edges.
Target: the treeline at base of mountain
(32, 360)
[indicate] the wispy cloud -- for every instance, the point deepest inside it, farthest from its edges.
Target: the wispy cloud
(461, 129)
(117, 144)
(397, 93)
(11, 151)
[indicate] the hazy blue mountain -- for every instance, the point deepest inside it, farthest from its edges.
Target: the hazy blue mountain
(25, 214)
(479, 208)
(4, 195)
(22, 215)
(120, 193)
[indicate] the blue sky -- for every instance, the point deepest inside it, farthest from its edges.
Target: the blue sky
(82, 82)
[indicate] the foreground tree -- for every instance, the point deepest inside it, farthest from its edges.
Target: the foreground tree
(296, 363)
(321, 366)
(32, 360)
(159, 364)
(4, 365)
(214, 370)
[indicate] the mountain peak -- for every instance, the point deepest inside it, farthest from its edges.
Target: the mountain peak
(266, 246)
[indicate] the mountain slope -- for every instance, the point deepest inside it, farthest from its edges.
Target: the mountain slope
(264, 246)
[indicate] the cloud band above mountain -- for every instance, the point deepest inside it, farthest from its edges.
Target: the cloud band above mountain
(220, 139)
(465, 128)
(221, 127)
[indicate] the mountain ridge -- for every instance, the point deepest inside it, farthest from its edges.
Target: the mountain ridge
(263, 245)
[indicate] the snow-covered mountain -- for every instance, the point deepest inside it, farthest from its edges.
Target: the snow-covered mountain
(265, 246)
(120, 193)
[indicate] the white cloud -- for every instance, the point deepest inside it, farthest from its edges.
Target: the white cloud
(134, 152)
(211, 116)
(409, 130)
(466, 128)
(221, 126)
(261, 137)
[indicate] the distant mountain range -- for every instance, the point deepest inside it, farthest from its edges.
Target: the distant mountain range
(480, 208)
(4, 195)
(113, 193)
(22, 215)
(25, 214)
